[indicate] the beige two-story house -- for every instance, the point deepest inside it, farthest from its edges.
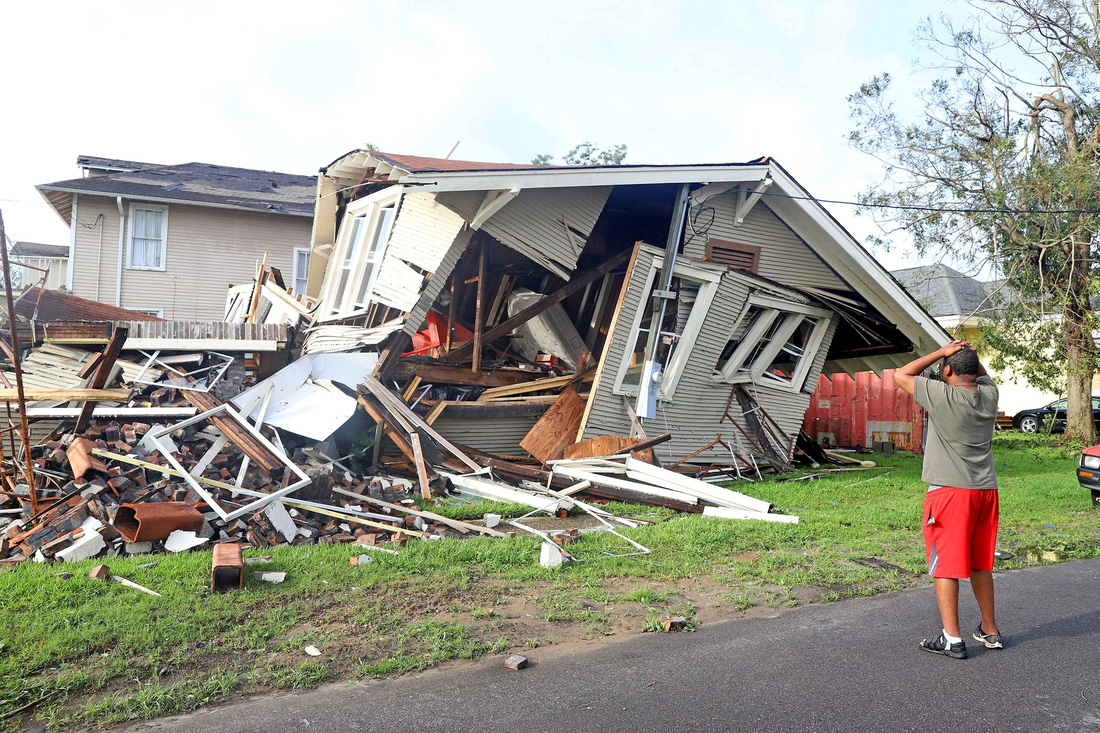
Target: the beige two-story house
(169, 240)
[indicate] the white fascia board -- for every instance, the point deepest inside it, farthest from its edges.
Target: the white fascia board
(584, 177)
(172, 201)
(853, 263)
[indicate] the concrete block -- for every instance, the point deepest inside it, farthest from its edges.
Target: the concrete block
(516, 661)
(138, 548)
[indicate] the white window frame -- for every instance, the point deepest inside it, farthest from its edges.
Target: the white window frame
(708, 285)
(158, 312)
(368, 209)
(134, 206)
(295, 275)
(732, 372)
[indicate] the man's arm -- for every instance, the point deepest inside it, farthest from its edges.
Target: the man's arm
(906, 376)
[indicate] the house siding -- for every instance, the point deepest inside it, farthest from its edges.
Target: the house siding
(784, 257)
(499, 435)
(694, 413)
(208, 250)
(532, 222)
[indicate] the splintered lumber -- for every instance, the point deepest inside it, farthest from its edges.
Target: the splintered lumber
(849, 460)
(309, 506)
(605, 446)
(74, 394)
(106, 363)
(539, 385)
(396, 406)
(575, 285)
(556, 429)
(447, 374)
(237, 435)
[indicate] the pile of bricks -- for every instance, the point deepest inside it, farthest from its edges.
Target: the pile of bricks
(86, 485)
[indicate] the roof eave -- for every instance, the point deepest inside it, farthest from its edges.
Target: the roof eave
(840, 249)
(166, 200)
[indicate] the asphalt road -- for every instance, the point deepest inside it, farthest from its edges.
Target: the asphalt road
(850, 666)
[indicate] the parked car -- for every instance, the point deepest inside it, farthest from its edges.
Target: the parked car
(1088, 472)
(1035, 420)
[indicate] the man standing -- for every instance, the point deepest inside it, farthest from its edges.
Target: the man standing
(961, 507)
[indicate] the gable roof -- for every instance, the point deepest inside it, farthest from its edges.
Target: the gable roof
(36, 304)
(944, 291)
(202, 184)
(784, 196)
(37, 249)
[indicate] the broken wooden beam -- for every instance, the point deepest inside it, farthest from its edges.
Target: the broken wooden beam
(239, 436)
(103, 371)
(575, 285)
(73, 394)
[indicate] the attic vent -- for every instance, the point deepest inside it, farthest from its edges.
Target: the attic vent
(731, 254)
(174, 187)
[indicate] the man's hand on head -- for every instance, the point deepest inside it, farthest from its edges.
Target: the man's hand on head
(955, 347)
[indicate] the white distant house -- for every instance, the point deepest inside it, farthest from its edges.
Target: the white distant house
(41, 264)
(960, 303)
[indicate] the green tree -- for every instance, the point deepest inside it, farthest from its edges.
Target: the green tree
(999, 169)
(586, 154)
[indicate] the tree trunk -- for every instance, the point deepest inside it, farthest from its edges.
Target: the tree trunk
(1080, 353)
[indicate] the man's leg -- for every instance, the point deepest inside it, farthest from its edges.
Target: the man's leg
(947, 596)
(981, 581)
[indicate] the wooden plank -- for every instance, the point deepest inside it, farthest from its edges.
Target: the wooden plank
(479, 309)
(438, 518)
(102, 372)
(256, 451)
(68, 395)
(447, 374)
(526, 388)
(573, 286)
(489, 410)
(379, 390)
(421, 471)
(605, 446)
(556, 429)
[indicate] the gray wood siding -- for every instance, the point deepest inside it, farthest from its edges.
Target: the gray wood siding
(694, 413)
(208, 250)
(532, 222)
(784, 257)
(497, 435)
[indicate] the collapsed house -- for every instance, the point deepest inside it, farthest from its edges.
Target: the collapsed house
(506, 332)
(525, 309)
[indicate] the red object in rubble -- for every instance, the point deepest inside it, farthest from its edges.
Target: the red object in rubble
(435, 335)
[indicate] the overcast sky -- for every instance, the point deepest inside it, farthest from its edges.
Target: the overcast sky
(292, 86)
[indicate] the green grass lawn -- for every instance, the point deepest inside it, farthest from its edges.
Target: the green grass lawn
(93, 653)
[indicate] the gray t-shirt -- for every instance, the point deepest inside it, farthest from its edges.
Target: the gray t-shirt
(958, 451)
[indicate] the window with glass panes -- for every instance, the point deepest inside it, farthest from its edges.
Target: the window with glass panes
(148, 237)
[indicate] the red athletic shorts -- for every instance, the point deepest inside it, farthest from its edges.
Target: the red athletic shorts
(960, 530)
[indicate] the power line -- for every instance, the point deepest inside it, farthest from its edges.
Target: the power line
(913, 207)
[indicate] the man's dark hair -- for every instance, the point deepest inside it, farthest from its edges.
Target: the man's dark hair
(963, 362)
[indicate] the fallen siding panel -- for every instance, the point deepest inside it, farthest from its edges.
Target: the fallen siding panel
(396, 285)
(532, 222)
(424, 231)
(419, 312)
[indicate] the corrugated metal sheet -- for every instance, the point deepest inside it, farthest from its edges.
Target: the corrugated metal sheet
(537, 222)
(694, 414)
(856, 412)
(784, 257)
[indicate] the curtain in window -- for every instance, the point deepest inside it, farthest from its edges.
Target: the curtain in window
(146, 246)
